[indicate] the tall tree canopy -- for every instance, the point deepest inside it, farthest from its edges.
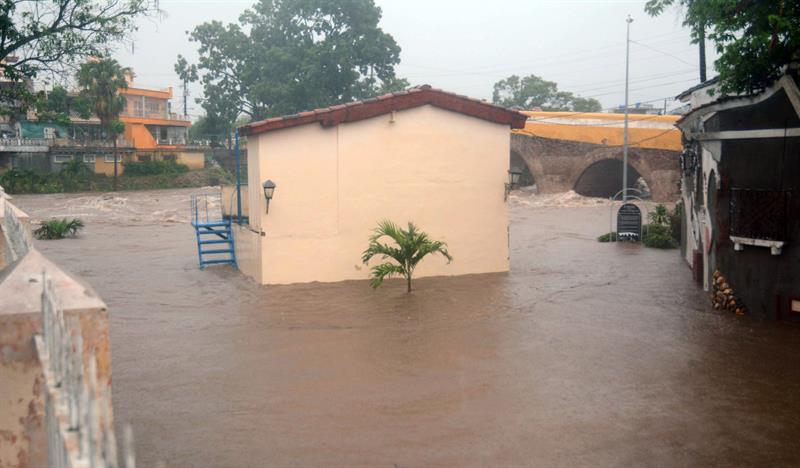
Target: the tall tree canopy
(754, 39)
(286, 56)
(56, 35)
(533, 91)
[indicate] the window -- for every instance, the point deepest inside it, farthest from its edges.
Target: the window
(163, 133)
(759, 214)
(170, 157)
(88, 158)
(137, 108)
(62, 158)
(109, 158)
(154, 107)
(143, 157)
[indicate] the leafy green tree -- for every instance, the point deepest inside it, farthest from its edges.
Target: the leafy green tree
(411, 246)
(754, 39)
(58, 105)
(532, 91)
(209, 128)
(286, 56)
(100, 82)
(53, 36)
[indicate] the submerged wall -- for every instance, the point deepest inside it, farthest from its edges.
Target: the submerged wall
(442, 170)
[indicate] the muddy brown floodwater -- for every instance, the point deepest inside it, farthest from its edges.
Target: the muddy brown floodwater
(584, 354)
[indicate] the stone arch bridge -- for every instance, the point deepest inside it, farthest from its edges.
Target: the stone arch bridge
(591, 169)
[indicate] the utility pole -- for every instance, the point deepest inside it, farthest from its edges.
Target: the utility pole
(629, 20)
(701, 43)
(185, 96)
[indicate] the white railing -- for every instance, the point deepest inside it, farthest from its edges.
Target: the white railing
(171, 141)
(78, 412)
(19, 142)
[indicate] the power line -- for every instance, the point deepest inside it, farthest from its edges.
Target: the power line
(662, 52)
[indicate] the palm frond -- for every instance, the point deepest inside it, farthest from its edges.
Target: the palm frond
(379, 272)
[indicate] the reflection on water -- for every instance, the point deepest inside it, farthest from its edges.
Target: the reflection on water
(585, 353)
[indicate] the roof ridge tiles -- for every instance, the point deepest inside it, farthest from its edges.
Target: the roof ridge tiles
(379, 105)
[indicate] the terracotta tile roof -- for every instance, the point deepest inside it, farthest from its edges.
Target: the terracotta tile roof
(373, 107)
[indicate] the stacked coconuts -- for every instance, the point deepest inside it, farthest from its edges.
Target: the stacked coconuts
(722, 297)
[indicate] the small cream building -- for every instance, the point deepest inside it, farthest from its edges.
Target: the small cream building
(422, 155)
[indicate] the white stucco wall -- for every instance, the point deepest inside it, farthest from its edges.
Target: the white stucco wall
(442, 170)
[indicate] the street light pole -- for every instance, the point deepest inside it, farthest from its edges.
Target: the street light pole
(629, 20)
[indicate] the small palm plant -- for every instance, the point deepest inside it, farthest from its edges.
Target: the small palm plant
(412, 245)
(659, 216)
(58, 228)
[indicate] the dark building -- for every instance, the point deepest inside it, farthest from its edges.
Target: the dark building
(741, 190)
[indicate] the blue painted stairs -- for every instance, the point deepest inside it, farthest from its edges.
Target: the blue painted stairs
(214, 237)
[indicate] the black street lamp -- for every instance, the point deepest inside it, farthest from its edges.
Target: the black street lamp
(269, 190)
(513, 181)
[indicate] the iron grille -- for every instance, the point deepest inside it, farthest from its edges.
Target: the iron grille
(759, 214)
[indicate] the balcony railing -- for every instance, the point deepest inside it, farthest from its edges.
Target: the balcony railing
(141, 114)
(171, 141)
(19, 142)
(90, 143)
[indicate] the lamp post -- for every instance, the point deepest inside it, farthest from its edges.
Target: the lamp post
(269, 190)
(629, 20)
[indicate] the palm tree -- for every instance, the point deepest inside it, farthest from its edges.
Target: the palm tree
(412, 245)
(100, 82)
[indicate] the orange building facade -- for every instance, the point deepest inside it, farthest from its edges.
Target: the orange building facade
(153, 131)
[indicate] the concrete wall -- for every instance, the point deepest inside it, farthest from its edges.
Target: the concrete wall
(229, 207)
(23, 437)
(195, 160)
(442, 170)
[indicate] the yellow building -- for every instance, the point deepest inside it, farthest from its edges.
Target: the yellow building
(422, 155)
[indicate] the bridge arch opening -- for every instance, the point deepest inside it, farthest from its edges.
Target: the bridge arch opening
(516, 162)
(604, 179)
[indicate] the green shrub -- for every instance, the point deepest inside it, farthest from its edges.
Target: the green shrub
(58, 228)
(659, 215)
(658, 236)
(676, 220)
(75, 176)
(28, 181)
(608, 237)
(148, 168)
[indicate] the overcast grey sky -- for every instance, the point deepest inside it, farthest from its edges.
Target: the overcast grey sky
(465, 46)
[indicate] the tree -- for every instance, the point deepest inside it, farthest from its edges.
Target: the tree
(100, 82)
(532, 91)
(287, 56)
(58, 105)
(412, 245)
(755, 39)
(55, 35)
(697, 26)
(209, 128)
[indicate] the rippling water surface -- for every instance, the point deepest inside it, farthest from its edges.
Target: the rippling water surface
(584, 354)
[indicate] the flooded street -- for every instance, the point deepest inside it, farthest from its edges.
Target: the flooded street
(584, 354)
